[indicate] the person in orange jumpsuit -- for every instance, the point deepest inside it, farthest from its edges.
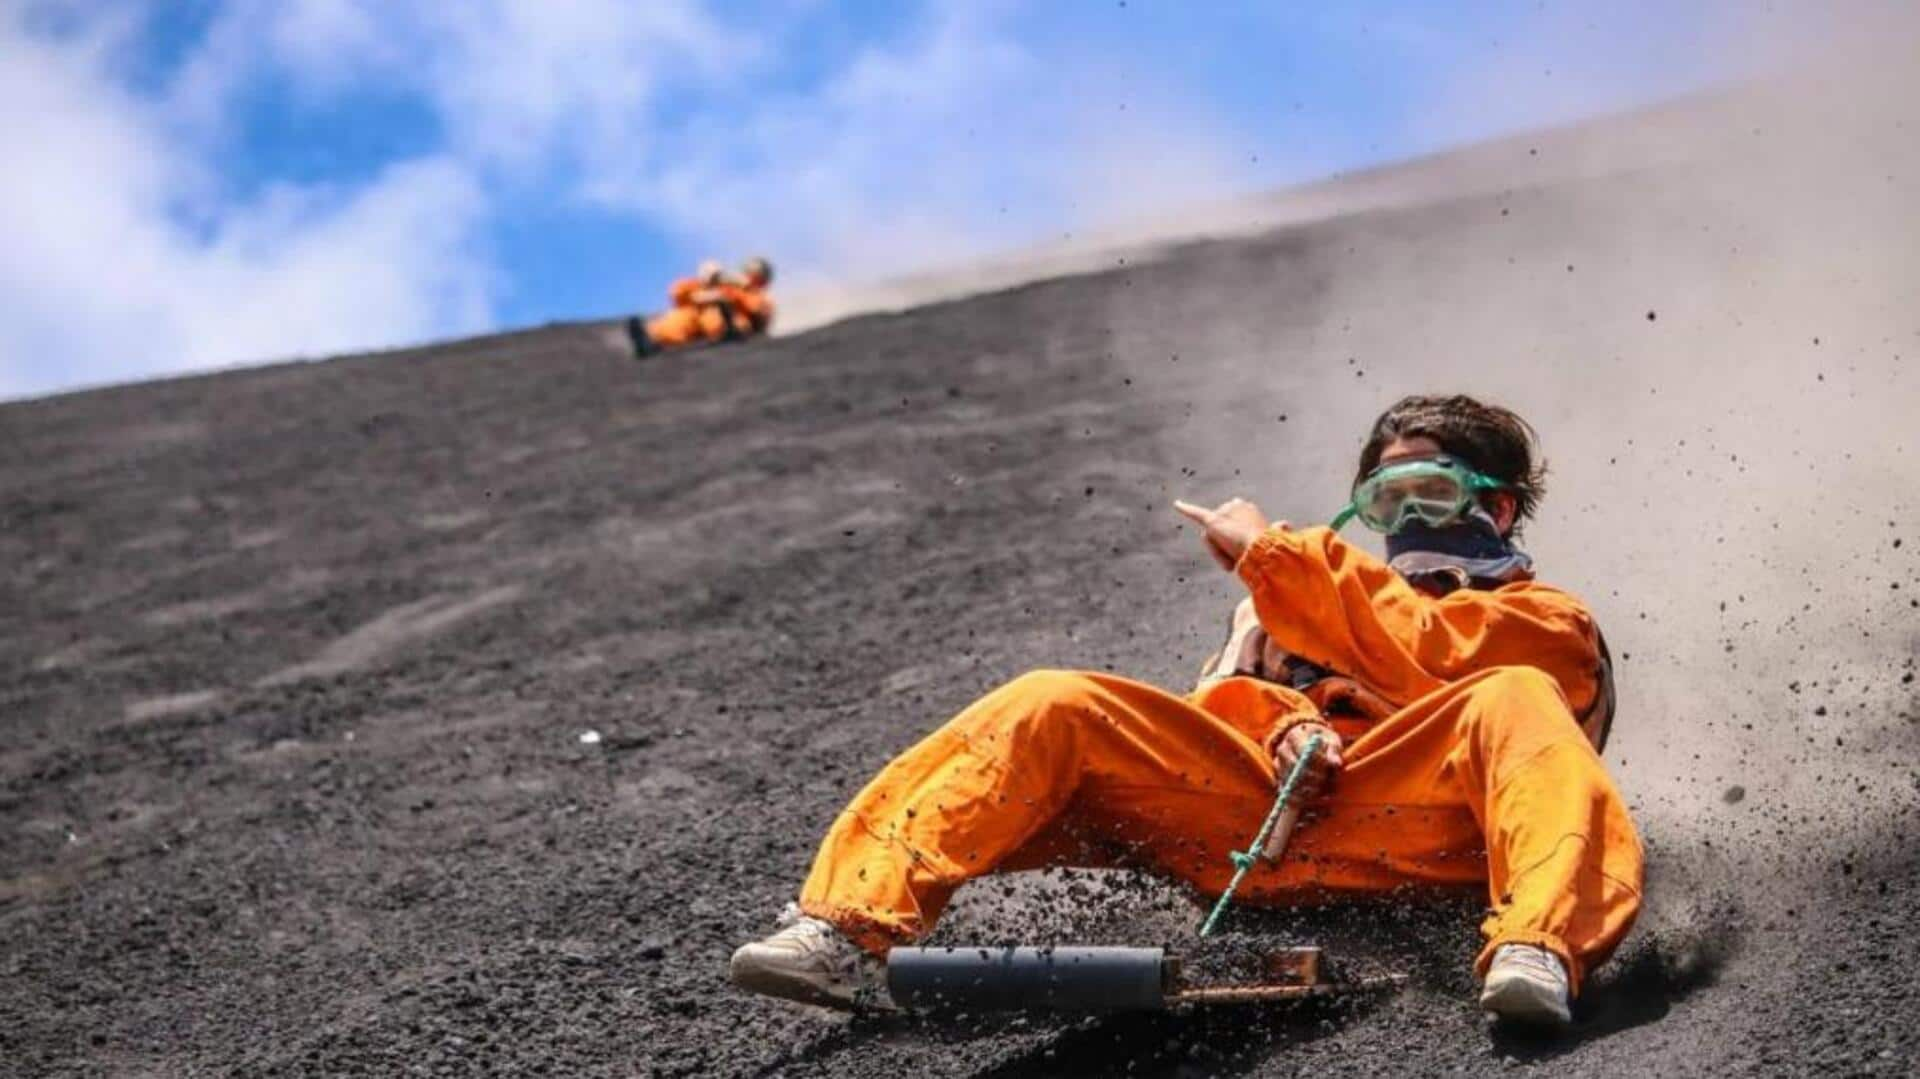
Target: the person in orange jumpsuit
(751, 303)
(707, 308)
(1460, 700)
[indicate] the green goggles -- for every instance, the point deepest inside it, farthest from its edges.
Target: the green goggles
(1435, 490)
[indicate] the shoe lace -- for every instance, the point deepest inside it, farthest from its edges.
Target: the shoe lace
(1538, 960)
(845, 957)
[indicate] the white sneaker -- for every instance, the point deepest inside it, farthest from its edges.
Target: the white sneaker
(1527, 985)
(810, 961)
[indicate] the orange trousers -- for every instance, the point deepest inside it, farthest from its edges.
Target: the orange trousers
(1487, 781)
(685, 325)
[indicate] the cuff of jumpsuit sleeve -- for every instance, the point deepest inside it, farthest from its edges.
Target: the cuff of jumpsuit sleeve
(870, 934)
(1263, 547)
(1576, 972)
(1285, 727)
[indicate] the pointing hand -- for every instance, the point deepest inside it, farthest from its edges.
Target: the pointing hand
(1230, 527)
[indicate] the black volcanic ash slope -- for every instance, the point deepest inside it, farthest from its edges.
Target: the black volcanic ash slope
(299, 661)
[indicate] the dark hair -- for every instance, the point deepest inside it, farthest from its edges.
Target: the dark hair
(1491, 439)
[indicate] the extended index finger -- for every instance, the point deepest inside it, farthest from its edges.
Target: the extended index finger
(1198, 514)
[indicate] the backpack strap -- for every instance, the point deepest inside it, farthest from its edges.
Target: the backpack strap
(1597, 720)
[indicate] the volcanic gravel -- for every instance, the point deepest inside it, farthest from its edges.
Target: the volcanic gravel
(457, 711)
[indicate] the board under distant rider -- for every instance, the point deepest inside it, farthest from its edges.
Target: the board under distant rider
(1460, 702)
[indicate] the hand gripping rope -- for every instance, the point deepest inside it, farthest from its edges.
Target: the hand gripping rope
(1266, 845)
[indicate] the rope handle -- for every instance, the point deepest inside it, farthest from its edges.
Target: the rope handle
(1244, 861)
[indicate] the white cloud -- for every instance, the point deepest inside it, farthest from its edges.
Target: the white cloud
(957, 142)
(104, 277)
(521, 86)
(958, 138)
(523, 81)
(129, 256)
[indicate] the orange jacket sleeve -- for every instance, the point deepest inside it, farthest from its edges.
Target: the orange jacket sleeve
(1325, 600)
(680, 293)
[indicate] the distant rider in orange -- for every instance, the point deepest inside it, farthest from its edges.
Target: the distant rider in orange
(709, 307)
(1460, 701)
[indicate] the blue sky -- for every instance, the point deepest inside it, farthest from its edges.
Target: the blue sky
(203, 182)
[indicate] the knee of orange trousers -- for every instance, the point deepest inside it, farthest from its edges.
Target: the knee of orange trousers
(1113, 730)
(1500, 694)
(1047, 686)
(1509, 712)
(1037, 697)
(673, 328)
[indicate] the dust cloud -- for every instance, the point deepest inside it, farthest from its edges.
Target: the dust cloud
(1708, 310)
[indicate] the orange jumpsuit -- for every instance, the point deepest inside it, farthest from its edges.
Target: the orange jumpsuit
(1465, 765)
(687, 322)
(753, 308)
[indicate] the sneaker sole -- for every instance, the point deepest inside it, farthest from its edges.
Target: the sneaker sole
(1517, 1001)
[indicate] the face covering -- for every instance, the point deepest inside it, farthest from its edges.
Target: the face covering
(1470, 552)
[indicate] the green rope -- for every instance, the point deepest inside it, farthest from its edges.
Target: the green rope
(1245, 860)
